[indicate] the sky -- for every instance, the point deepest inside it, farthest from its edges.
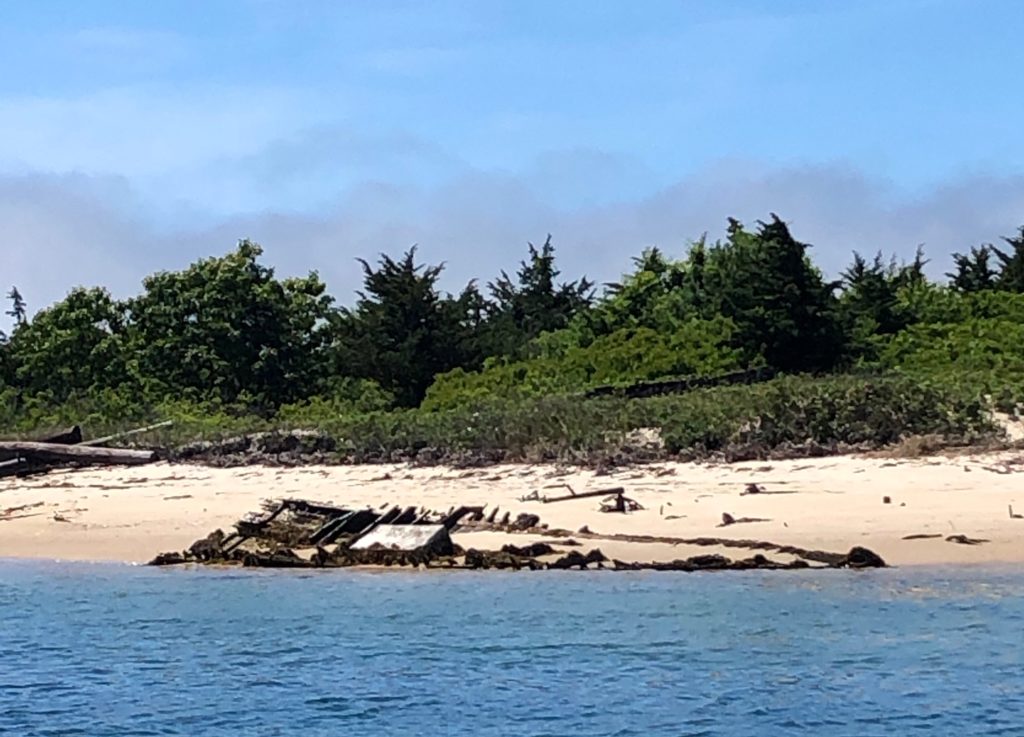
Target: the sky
(137, 137)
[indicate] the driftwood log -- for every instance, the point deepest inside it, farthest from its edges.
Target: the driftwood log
(58, 453)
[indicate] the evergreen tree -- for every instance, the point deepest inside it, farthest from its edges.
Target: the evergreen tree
(871, 293)
(17, 311)
(403, 331)
(661, 294)
(974, 272)
(1011, 273)
(533, 303)
(870, 304)
(783, 310)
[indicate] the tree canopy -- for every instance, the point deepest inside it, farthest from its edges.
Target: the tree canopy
(227, 330)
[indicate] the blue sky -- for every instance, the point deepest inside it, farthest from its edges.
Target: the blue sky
(138, 136)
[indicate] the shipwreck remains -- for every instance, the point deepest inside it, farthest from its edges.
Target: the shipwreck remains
(433, 540)
(295, 533)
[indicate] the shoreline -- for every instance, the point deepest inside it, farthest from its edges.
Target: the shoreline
(832, 503)
(86, 567)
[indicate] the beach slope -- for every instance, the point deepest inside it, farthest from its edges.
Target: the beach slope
(131, 514)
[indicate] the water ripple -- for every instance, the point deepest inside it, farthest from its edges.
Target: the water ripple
(111, 650)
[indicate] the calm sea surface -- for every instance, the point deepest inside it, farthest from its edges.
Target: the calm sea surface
(115, 650)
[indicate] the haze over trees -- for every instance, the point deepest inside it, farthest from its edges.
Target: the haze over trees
(227, 337)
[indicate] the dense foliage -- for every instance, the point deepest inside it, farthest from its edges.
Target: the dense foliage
(225, 345)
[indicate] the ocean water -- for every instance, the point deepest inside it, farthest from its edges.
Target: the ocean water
(116, 650)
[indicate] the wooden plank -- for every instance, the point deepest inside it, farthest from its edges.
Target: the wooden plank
(54, 452)
(329, 528)
(456, 516)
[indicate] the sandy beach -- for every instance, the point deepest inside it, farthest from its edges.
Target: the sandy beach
(131, 514)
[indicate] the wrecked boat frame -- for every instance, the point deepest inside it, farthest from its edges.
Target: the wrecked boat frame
(295, 533)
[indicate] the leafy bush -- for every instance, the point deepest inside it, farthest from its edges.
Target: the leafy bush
(697, 347)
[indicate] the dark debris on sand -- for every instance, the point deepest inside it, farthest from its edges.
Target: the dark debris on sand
(296, 533)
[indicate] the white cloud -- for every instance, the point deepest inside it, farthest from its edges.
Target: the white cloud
(64, 231)
(143, 132)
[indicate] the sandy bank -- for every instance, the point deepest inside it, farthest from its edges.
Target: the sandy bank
(830, 504)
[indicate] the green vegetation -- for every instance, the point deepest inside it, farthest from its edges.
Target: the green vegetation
(225, 347)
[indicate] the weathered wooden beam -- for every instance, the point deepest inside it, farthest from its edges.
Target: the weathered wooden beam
(406, 517)
(329, 528)
(583, 495)
(55, 452)
(455, 517)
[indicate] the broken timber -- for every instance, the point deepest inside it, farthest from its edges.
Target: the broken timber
(295, 533)
(581, 495)
(56, 452)
(16, 460)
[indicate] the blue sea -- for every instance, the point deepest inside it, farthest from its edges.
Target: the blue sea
(117, 650)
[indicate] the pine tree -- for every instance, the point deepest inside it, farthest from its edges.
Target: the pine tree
(17, 311)
(974, 272)
(402, 331)
(784, 311)
(1011, 273)
(533, 303)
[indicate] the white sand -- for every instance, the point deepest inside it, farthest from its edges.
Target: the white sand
(130, 514)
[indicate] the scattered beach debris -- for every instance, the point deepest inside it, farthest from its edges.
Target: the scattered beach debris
(728, 519)
(964, 540)
(9, 513)
(535, 496)
(759, 489)
(857, 558)
(295, 533)
(576, 559)
(524, 521)
(922, 536)
(1014, 515)
(886, 500)
(534, 550)
(860, 557)
(615, 499)
(25, 457)
(620, 503)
